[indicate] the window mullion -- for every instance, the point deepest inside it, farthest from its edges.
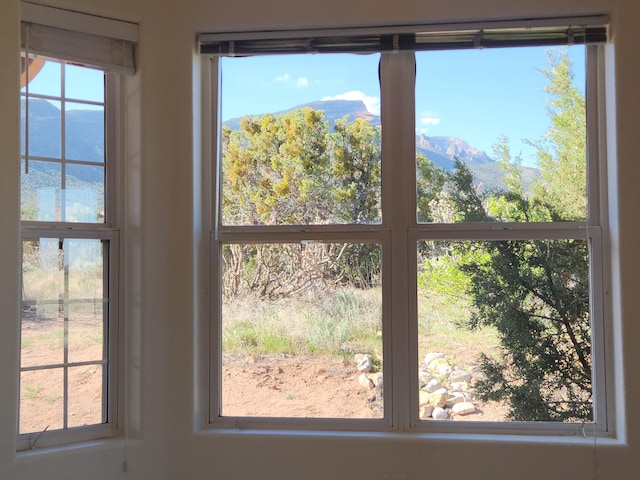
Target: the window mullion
(397, 75)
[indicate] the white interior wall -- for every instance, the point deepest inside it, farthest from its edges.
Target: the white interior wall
(159, 295)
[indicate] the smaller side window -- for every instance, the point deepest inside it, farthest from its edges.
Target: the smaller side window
(69, 254)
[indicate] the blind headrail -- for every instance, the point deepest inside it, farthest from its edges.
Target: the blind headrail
(517, 33)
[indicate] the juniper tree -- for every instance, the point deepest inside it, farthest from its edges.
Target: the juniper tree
(535, 292)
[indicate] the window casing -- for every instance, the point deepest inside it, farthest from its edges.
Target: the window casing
(70, 201)
(398, 234)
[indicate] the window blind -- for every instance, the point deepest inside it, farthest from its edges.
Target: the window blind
(88, 40)
(537, 32)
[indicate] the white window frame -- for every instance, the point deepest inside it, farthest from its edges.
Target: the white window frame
(106, 44)
(401, 229)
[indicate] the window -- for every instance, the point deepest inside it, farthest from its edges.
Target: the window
(429, 276)
(70, 236)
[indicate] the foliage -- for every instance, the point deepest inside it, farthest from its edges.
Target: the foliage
(535, 292)
(430, 181)
(561, 151)
(340, 322)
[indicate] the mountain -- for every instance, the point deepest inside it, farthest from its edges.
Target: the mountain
(441, 150)
(333, 110)
(85, 142)
(86, 127)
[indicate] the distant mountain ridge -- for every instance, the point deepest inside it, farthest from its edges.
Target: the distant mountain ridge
(441, 150)
(87, 129)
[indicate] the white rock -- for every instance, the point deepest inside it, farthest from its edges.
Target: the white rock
(444, 369)
(463, 408)
(459, 386)
(436, 363)
(432, 385)
(459, 376)
(430, 357)
(364, 362)
(376, 378)
(426, 411)
(365, 381)
(461, 395)
(423, 398)
(438, 400)
(451, 401)
(440, 391)
(440, 414)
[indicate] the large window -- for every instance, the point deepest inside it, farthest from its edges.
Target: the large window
(70, 233)
(411, 238)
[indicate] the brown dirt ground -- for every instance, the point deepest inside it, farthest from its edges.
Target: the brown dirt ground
(320, 387)
(317, 387)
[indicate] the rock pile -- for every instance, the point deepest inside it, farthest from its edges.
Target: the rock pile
(445, 391)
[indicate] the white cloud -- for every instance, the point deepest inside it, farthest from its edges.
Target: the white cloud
(283, 78)
(428, 118)
(372, 103)
(288, 80)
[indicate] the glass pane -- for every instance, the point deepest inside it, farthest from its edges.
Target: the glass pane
(302, 330)
(45, 122)
(84, 130)
(40, 191)
(41, 400)
(42, 303)
(85, 395)
(501, 135)
(300, 140)
(84, 195)
(45, 78)
(82, 83)
(86, 306)
(504, 330)
(86, 331)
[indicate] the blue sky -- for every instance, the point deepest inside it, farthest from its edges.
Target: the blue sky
(81, 83)
(476, 95)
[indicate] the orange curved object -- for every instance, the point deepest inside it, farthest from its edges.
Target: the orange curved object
(35, 65)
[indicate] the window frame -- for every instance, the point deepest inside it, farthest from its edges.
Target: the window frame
(108, 231)
(401, 414)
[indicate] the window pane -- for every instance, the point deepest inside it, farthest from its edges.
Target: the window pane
(41, 400)
(45, 121)
(64, 189)
(85, 395)
(86, 306)
(82, 83)
(84, 195)
(84, 132)
(300, 140)
(64, 316)
(45, 78)
(302, 330)
(504, 330)
(514, 120)
(40, 191)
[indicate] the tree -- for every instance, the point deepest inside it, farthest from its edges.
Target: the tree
(561, 151)
(430, 180)
(535, 292)
(355, 149)
(290, 169)
(276, 169)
